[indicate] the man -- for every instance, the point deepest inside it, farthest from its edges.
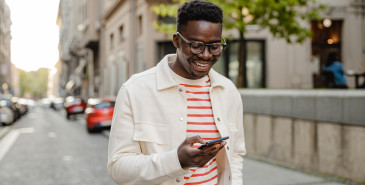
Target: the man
(163, 114)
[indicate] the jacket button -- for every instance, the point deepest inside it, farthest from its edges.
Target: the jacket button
(181, 118)
(227, 147)
(218, 119)
(177, 180)
(180, 89)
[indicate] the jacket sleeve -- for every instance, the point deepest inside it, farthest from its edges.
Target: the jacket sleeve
(126, 163)
(239, 149)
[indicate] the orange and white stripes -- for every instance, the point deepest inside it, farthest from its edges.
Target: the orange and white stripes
(200, 121)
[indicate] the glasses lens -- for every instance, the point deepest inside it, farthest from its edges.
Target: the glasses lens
(216, 48)
(197, 47)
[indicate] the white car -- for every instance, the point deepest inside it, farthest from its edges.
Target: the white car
(6, 114)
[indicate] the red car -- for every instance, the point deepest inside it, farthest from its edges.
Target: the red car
(74, 105)
(99, 114)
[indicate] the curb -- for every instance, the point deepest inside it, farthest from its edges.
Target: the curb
(4, 131)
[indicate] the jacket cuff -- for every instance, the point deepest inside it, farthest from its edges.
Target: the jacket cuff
(171, 164)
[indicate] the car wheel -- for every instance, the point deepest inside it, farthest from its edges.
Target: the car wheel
(92, 130)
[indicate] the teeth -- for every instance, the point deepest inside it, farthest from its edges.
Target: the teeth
(201, 65)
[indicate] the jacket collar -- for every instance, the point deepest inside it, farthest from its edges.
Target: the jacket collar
(165, 80)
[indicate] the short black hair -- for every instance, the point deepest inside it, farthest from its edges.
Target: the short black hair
(196, 10)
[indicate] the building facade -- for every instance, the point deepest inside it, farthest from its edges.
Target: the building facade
(123, 41)
(5, 48)
(53, 88)
(130, 42)
(80, 26)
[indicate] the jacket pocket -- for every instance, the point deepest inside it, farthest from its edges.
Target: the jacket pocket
(151, 132)
(232, 128)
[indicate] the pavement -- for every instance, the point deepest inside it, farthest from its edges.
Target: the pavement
(259, 172)
(4, 130)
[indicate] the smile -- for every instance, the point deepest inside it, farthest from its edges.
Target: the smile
(201, 65)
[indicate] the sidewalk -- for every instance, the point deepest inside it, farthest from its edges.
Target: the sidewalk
(4, 130)
(261, 173)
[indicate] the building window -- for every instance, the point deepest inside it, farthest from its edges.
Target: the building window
(255, 73)
(255, 64)
(164, 48)
(166, 19)
(111, 41)
(139, 25)
(121, 33)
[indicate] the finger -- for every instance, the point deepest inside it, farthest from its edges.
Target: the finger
(204, 161)
(214, 149)
(214, 146)
(195, 139)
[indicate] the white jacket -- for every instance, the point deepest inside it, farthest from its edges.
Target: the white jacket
(149, 124)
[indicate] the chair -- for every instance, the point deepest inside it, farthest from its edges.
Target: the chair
(328, 79)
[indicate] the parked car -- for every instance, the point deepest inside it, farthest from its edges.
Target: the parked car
(31, 104)
(74, 105)
(57, 103)
(45, 103)
(99, 114)
(16, 107)
(20, 105)
(23, 105)
(7, 116)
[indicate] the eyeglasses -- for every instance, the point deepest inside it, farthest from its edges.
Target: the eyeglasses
(197, 47)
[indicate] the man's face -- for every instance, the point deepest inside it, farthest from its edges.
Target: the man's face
(188, 64)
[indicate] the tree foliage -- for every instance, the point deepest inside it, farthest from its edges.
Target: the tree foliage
(34, 82)
(286, 19)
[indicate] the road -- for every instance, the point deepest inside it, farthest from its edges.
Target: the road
(44, 148)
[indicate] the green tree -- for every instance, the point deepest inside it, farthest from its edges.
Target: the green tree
(34, 82)
(287, 19)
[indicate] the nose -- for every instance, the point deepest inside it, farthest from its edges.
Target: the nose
(205, 54)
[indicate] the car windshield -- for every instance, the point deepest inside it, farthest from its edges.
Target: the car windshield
(104, 105)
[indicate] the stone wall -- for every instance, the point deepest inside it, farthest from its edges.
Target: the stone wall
(320, 131)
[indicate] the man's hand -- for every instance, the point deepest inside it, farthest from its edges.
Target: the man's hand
(194, 157)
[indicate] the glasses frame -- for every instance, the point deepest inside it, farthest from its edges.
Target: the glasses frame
(224, 44)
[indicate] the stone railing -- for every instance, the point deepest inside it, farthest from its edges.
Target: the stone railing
(317, 130)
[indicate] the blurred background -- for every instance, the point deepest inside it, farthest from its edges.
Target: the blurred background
(299, 66)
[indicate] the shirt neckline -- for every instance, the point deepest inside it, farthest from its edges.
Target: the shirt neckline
(181, 79)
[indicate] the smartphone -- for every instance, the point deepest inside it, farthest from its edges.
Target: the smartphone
(208, 143)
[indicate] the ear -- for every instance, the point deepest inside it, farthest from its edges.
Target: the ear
(175, 40)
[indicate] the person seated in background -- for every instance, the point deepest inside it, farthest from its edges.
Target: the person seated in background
(336, 67)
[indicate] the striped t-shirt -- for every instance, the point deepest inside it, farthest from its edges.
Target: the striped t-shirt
(200, 121)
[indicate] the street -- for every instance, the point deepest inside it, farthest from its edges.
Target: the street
(44, 148)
